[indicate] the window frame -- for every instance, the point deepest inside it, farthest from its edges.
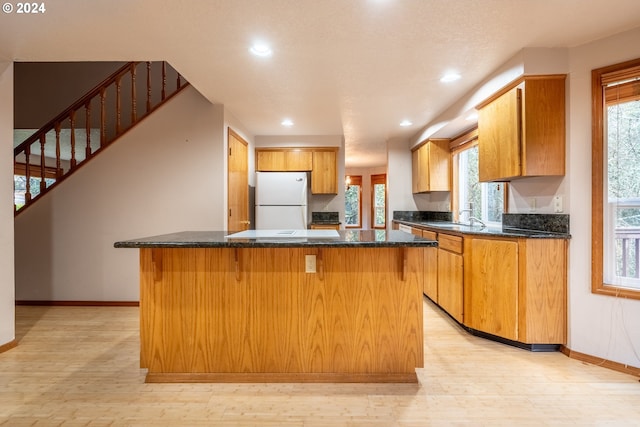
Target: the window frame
(457, 145)
(354, 180)
(599, 77)
(377, 179)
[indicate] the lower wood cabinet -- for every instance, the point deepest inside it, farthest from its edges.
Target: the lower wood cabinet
(512, 288)
(493, 287)
(430, 272)
(451, 275)
(516, 288)
(325, 226)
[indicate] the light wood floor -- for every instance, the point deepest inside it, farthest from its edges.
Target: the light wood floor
(78, 366)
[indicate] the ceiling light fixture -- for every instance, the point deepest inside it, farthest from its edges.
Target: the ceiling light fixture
(406, 123)
(260, 49)
(450, 77)
(287, 122)
(472, 117)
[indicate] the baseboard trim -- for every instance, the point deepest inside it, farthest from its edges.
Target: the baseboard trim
(258, 377)
(79, 303)
(8, 346)
(598, 361)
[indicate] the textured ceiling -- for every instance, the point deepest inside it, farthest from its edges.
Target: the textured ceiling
(351, 67)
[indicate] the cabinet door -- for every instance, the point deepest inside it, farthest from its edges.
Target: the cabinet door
(415, 171)
(499, 148)
(324, 179)
(494, 287)
(420, 169)
(439, 160)
(543, 129)
(270, 161)
(450, 283)
(430, 287)
(298, 160)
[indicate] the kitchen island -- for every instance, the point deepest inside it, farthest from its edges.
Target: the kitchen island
(346, 308)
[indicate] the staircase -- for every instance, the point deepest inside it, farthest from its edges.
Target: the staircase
(89, 125)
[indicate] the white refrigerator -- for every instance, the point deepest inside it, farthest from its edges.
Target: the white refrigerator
(281, 200)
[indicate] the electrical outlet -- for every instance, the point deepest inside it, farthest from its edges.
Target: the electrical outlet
(310, 263)
(557, 204)
(532, 204)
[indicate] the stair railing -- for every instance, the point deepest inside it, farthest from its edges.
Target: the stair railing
(78, 134)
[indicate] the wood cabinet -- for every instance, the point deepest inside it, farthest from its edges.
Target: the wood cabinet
(324, 172)
(322, 162)
(431, 166)
(512, 288)
(493, 294)
(516, 288)
(430, 272)
(283, 160)
(521, 130)
(325, 226)
(450, 275)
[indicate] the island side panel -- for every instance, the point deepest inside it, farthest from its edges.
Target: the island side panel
(356, 315)
(363, 317)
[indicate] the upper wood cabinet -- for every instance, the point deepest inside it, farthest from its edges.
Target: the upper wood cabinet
(431, 166)
(321, 161)
(283, 160)
(521, 130)
(324, 171)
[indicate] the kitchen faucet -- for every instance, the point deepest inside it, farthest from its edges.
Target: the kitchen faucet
(472, 219)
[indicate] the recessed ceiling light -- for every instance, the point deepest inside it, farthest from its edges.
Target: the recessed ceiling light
(260, 49)
(406, 123)
(450, 77)
(287, 122)
(472, 117)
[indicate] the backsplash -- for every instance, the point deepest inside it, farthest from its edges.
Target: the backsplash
(418, 216)
(555, 223)
(325, 217)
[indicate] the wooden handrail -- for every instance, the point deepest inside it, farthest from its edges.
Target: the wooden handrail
(123, 99)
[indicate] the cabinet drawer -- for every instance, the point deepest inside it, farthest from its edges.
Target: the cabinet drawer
(416, 231)
(450, 243)
(429, 235)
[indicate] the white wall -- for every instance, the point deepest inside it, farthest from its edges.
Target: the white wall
(7, 307)
(318, 202)
(45, 89)
(601, 326)
(165, 175)
(399, 177)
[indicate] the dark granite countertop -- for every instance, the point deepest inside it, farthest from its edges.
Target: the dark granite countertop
(503, 231)
(217, 239)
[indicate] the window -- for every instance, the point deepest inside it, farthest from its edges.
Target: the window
(616, 180)
(378, 201)
(20, 182)
(353, 201)
(481, 200)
